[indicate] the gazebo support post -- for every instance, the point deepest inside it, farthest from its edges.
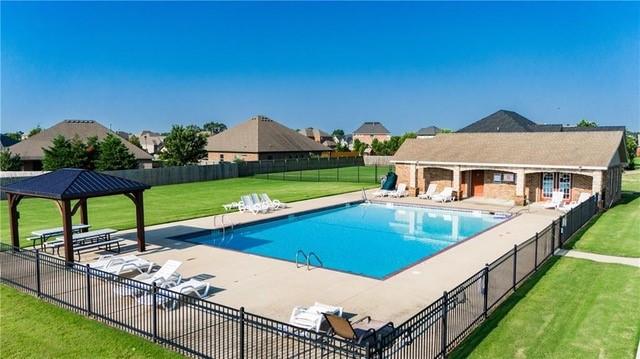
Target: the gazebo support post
(140, 220)
(84, 213)
(67, 229)
(12, 201)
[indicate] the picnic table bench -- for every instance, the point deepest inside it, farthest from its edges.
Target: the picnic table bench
(87, 240)
(43, 234)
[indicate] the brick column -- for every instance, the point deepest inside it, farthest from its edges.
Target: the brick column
(520, 187)
(456, 180)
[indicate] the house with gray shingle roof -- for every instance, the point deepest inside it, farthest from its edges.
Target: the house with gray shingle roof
(427, 132)
(369, 131)
(261, 138)
(519, 167)
(31, 150)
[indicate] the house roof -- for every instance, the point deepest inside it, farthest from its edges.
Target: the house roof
(73, 183)
(261, 134)
(31, 148)
(371, 128)
(501, 121)
(312, 132)
(428, 131)
(553, 149)
(6, 141)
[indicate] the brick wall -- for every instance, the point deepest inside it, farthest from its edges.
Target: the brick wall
(369, 138)
(580, 184)
(404, 175)
(230, 156)
(441, 177)
(506, 191)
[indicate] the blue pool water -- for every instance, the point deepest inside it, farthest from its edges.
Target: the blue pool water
(373, 240)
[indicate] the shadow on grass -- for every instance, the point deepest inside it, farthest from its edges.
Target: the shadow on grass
(626, 198)
(480, 333)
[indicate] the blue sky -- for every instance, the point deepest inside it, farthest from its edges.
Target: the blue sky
(136, 66)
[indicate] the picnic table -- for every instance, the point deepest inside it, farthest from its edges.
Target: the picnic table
(99, 235)
(43, 234)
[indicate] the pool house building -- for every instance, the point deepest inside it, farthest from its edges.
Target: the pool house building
(522, 167)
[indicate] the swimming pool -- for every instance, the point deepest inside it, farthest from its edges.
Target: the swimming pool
(373, 240)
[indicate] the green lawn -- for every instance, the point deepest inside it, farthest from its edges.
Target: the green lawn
(31, 328)
(168, 203)
(616, 231)
(577, 309)
(363, 174)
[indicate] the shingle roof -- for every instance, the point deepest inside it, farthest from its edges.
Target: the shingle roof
(312, 132)
(261, 134)
(31, 148)
(372, 128)
(570, 149)
(73, 183)
(501, 121)
(428, 131)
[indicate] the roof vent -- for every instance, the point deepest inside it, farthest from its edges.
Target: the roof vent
(262, 118)
(79, 121)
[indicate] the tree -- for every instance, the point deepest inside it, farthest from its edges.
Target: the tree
(359, 146)
(445, 130)
(632, 145)
(9, 161)
(93, 152)
(16, 136)
(63, 154)
(338, 133)
(114, 155)
(586, 123)
(34, 131)
(183, 146)
(135, 140)
(214, 127)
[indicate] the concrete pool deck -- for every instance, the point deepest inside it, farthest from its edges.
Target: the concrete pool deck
(272, 287)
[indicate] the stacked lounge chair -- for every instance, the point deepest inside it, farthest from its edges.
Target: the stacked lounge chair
(312, 317)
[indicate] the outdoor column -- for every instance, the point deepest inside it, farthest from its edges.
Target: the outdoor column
(456, 181)
(140, 220)
(520, 187)
(67, 229)
(12, 201)
(413, 187)
(84, 214)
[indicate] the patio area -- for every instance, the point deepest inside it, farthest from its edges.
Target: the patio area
(272, 287)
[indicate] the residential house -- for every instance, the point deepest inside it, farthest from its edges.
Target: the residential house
(152, 142)
(369, 131)
(319, 136)
(427, 132)
(31, 150)
(6, 141)
(521, 167)
(261, 138)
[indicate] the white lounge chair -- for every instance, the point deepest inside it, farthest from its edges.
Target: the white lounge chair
(584, 196)
(169, 293)
(247, 205)
(431, 190)
(166, 273)
(445, 196)
(381, 193)
(556, 200)
(121, 264)
(262, 205)
(401, 191)
(312, 317)
(273, 204)
(231, 206)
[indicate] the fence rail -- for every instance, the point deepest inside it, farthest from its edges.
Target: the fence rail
(205, 329)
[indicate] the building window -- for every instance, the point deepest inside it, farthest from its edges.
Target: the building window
(547, 184)
(221, 157)
(564, 184)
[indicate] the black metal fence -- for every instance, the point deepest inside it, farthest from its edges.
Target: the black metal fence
(346, 169)
(206, 329)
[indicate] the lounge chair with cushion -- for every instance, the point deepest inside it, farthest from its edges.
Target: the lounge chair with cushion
(312, 317)
(431, 190)
(167, 273)
(445, 196)
(556, 200)
(361, 332)
(168, 294)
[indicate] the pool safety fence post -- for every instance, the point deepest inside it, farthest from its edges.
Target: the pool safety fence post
(358, 172)
(375, 176)
(367, 349)
(337, 172)
(154, 312)
(318, 172)
(299, 170)
(443, 331)
(485, 290)
(515, 265)
(241, 348)
(88, 276)
(535, 251)
(38, 288)
(285, 170)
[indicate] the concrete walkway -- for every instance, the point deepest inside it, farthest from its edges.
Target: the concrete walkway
(599, 257)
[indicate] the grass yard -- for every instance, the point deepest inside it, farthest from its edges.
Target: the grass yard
(577, 309)
(168, 203)
(358, 174)
(616, 231)
(32, 328)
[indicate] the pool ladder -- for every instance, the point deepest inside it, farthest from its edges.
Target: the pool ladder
(364, 196)
(224, 227)
(307, 258)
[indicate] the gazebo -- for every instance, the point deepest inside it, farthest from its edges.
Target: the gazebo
(69, 184)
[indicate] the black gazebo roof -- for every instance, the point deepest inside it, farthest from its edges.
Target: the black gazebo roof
(73, 183)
